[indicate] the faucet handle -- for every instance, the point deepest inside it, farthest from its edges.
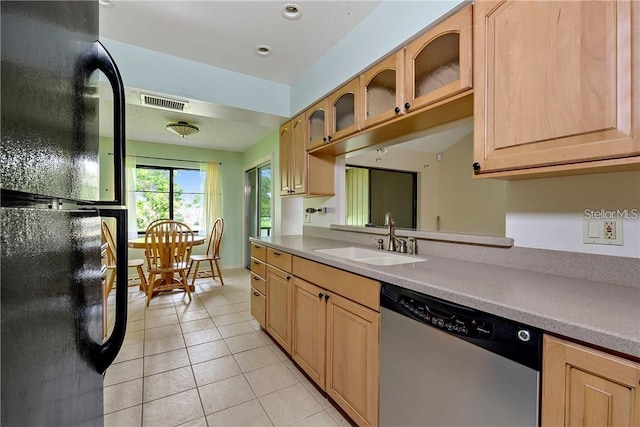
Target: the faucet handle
(402, 245)
(413, 246)
(379, 242)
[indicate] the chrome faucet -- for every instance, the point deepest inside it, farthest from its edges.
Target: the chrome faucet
(391, 231)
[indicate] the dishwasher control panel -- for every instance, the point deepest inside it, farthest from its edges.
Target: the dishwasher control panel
(453, 323)
(508, 338)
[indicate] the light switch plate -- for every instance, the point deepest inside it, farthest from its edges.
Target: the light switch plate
(602, 232)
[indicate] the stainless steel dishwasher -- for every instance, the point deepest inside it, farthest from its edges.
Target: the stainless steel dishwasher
(447, 365)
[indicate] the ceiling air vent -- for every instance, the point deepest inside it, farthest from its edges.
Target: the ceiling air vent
(166, 103)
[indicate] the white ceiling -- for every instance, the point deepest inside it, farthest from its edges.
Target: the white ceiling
(223, 34)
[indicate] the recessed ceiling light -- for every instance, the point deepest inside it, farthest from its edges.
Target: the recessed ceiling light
(263, 50)
(107, 3)
(291, 11)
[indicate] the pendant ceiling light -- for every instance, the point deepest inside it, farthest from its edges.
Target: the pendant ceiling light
(182, 128)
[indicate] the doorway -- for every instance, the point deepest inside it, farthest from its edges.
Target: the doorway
(258, 200)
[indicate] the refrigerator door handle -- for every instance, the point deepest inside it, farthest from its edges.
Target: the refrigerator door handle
(98, 58)
(107, 352)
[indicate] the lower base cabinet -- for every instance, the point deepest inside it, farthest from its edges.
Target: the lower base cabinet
(353, 349)
(258, 307)
(278, 304)
(336, 342)
(585, 387)
(309, 329)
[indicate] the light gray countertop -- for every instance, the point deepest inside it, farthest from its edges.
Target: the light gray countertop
(602, 314)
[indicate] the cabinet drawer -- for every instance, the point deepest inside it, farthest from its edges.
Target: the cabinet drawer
(279, 259)
(356, 288)
(258, 304)
(259, 283)
(258, 267)
(258, 252)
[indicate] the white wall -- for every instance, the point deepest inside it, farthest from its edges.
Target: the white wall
(548, 213)
(291, 216)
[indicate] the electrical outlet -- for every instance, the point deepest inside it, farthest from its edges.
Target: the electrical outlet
(610, 230)
(602, 232)
(307, 217)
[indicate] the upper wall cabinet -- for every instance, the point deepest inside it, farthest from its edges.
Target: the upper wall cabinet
(286, 159)
(317, 124)
(302, 173)
(439, 63)
(334, 117)
(293, 158)
(344, 105)
(382, 90)
(556, 85)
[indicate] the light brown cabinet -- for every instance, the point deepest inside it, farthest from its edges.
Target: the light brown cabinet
(317, 125)
(309, 327)
(554, 85)
(278, 306)
(438, 64)
(353, 349)
(586, 387)
(258, 283)
(293, 158)
(336, 339)
(334, 117)
(421, 86)
(301, 173)
(382, 91)
(344, 106)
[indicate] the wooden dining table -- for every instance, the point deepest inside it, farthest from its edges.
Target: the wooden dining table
(139, 243)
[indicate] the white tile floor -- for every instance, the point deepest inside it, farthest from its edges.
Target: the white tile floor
(207, 363)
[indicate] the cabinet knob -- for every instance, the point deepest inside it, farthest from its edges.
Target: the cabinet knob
(320, 295)
(329, 138)
(256, 278)
(288, 277)
(276, 253)
(397, 110)
(476, 166)
(256, 294)
(324, 139)
(407, 105)
(326, 297)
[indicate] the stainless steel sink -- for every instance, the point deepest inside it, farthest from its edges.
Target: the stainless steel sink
(370, 256)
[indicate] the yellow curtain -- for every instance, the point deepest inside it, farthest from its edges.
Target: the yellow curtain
(213, 194)
(130, 176)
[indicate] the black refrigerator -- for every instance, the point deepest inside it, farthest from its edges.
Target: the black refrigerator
(53, 352)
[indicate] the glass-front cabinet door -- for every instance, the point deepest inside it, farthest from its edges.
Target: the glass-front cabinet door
(345, 109)
(317, 123)
(382, 91)
(439, 63)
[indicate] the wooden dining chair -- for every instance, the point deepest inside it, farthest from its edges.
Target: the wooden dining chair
(167, 248)
(213, 252)
(136, 263)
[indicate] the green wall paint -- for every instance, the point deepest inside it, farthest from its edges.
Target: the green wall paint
(232, 182)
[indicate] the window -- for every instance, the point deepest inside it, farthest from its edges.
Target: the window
(166, 192)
